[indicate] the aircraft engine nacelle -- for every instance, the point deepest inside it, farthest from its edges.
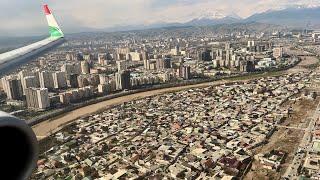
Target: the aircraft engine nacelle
(18, 149)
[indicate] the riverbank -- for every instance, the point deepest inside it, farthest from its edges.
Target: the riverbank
(51, 123)
(45, 128)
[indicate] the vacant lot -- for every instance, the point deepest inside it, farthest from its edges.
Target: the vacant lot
(285, 139)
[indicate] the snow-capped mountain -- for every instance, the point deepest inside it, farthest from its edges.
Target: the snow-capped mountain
(211, 15)
(212, 18)
(294, 16)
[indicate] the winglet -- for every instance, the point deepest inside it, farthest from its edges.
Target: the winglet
(46, 9)
(54, 29)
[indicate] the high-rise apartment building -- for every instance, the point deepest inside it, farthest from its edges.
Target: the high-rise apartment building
(145, 55)
(278, 52)
(24, 73)
(146, 64)
(122, 65)
(85, 69)
(185, 72)
(12, 87)
(59, 80)
(37, 98)
(122, 80)
(164, 63)
(46, 80)
(103, 79)
(175, 51)
(102, 59)
(135, 56)
(74, 68)
(27, 82)
(72, 80)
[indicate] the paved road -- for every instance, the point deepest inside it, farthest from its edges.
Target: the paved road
(293, 128)
(291, 172)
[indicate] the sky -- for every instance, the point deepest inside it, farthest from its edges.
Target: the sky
(25, 17)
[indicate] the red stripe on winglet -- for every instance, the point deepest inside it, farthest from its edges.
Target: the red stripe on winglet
(46, 9)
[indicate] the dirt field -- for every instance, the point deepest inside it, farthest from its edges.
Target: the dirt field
(308, 60)
(284, 139)
(305, 60)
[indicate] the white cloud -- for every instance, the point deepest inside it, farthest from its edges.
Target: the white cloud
(24, 16)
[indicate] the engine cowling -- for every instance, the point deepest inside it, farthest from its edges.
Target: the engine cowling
(19, 148)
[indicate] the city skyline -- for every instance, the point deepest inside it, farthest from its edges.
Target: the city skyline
(78, 16)
(217, 97)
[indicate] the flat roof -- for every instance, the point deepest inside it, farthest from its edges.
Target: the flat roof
(316, 146)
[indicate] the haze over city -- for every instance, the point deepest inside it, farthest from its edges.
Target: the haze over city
(93, 15)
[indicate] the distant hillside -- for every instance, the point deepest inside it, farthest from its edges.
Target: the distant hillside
(292, 17)
(9, 43)
(211, 21)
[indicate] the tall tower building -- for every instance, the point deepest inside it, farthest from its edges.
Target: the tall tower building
(37, 98)
(219, 54)
(135, 56)
(27, 82)
(12, 87)
(77, 68)
(122, 65)
(145, 55)
(59, 80)
(103, 79)
(46, 80)
(251, 43)
(72, 81)
(227, 46)
(185, 72)
(175, 51)
(87, 57)
(83, 81)
(122, 80)
(85, 69)
(278, 52)
(67, 68)
(74, 68)
(124, 50)
(163, 63)
(146, 64)
(25, 73)
(102, 59)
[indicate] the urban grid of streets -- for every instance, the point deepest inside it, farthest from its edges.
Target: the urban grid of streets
(199, 133)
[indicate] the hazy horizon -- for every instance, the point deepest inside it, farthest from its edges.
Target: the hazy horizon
(27, 18)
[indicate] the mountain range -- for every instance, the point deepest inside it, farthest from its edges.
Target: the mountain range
(293, 17)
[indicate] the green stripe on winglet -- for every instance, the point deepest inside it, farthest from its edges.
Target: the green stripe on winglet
(55, 32)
